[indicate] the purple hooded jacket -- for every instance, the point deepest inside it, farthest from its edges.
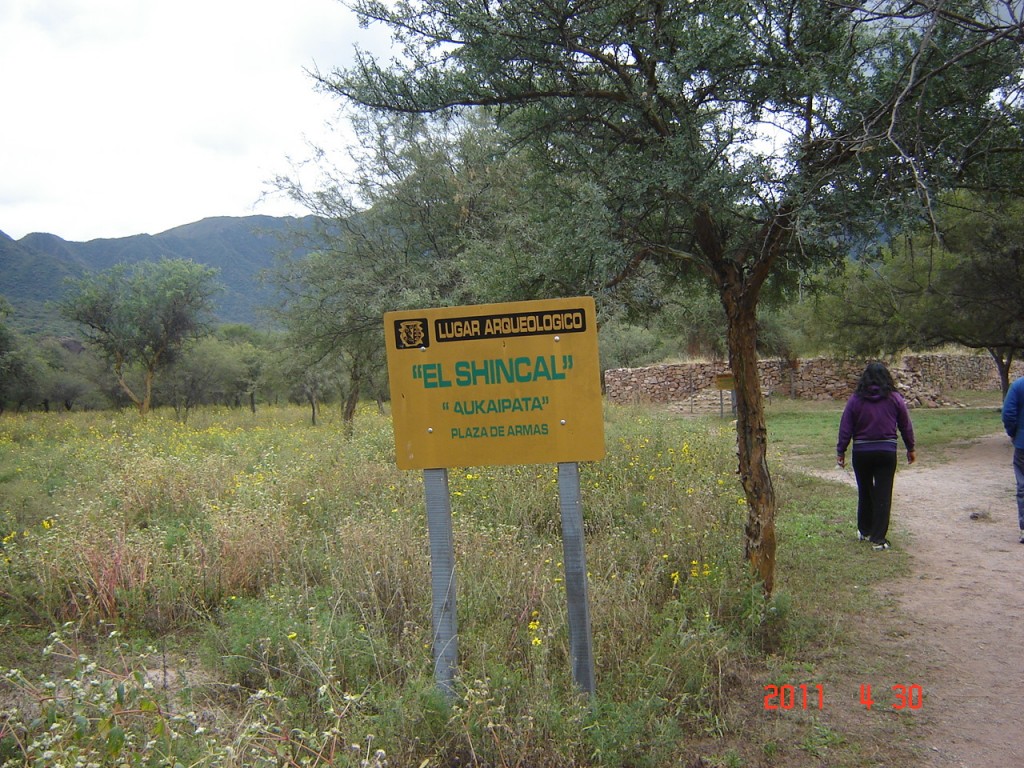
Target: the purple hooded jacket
(872, 420)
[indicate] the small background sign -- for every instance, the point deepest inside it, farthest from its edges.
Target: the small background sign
(512, 383)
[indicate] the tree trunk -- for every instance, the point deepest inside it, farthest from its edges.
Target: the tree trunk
(738, 276)
(1004, 361)
(351, 402)
(139, 403)
(352, 398)
(751, 436)
(147, 399)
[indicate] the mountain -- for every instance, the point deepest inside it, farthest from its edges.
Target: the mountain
(34, 269)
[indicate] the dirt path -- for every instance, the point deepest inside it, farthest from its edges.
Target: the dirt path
(962, 607)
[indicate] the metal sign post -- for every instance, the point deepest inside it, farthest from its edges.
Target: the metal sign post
(575, 563)
(442, 578)
(723, 382)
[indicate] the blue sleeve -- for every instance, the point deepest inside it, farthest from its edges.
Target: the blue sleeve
(1010, 408)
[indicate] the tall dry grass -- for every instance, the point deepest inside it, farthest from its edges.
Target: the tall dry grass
(274, 577)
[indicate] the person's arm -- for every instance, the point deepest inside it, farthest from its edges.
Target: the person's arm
(906, 428)
(1010, 408)
(845, 432)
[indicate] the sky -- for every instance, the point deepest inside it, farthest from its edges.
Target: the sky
(122, 117)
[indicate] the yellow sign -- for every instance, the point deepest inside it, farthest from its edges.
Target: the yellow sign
(513, 383)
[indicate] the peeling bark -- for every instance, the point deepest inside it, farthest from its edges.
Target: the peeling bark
(752, 440)
(739, 277)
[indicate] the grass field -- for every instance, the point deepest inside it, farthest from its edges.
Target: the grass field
(251, 590)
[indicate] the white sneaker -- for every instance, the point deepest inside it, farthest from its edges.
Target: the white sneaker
(1022, 535)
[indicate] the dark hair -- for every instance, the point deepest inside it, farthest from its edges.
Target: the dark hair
(875, 375)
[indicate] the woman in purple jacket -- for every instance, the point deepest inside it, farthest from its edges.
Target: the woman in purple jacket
(873, 414)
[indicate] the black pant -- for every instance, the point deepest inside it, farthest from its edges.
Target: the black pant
(875, 471)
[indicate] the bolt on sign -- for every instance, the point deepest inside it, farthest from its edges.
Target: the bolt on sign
(511, 383)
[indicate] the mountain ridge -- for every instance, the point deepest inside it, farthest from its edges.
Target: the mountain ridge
(33, 269)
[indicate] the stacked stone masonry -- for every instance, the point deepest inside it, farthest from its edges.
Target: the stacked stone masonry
(922, 379)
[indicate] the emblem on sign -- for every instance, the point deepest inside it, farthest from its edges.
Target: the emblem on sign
(411, 334)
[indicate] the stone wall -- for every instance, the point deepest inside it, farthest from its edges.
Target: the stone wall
(921, 378)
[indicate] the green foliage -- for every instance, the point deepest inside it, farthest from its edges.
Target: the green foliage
(142, 312)
(398, 253)
(292, 641)
(99, 715)
(142, 315)
(73, 376)
(18, 370)
(738, 140)
(650, 123)
(957, 279)
(211, 372)
(624, 345)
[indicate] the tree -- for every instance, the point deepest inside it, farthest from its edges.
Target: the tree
(69, 375)
(625, 345)
(982, 280)
(389, 238)
(334, 302)
(19, 370)
(729, 136)
(256, 349)
(142, 316)
(961, 282)
(209, 371)
(310, 383)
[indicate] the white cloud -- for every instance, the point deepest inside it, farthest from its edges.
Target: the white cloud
(128, 116)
